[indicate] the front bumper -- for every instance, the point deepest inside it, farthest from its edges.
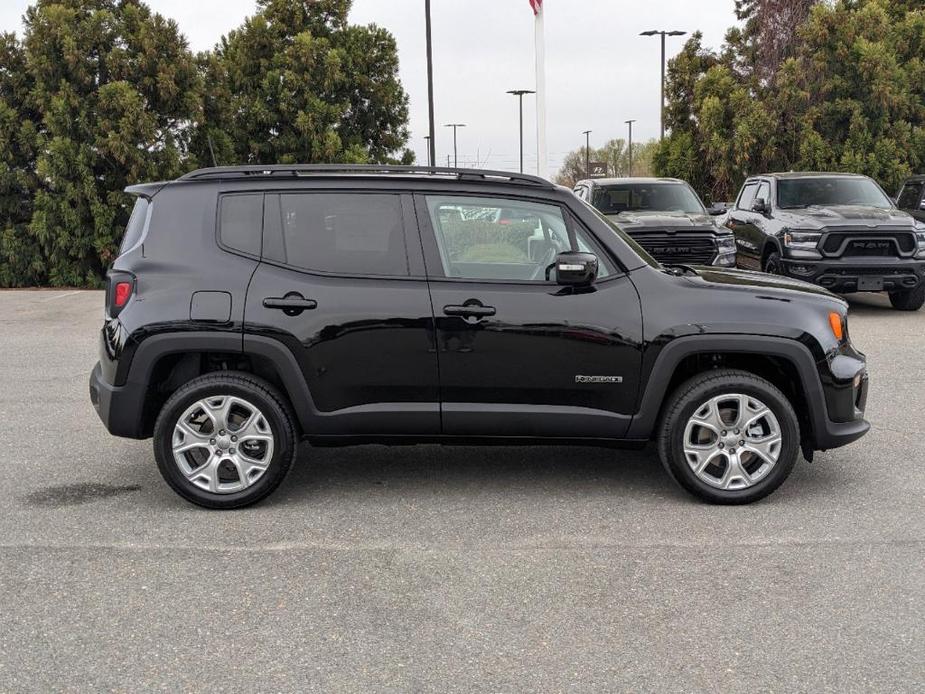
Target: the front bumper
(854, 274)
(119, 407)
(845, 384)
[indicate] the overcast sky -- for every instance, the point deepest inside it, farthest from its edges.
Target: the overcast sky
(600, 72)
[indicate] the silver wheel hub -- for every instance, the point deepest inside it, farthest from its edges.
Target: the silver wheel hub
(222, 444)
(732, 441)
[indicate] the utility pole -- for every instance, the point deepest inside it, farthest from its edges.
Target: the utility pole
(429, 160)
(630, 144)
(663, 34)
(519, 93)
(587, 134)
(432, 150)
(455, 126)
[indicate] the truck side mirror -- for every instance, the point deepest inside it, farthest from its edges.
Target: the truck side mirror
(760, 205)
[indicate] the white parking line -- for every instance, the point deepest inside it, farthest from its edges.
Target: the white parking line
(60, 296)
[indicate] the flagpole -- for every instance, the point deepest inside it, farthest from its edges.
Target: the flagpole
(540, 50)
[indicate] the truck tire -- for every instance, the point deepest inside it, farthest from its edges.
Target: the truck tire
(728, 437)
(911, 300)
(772, 264)
(225, 440)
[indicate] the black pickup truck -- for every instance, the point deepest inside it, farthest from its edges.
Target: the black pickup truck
(840, 231)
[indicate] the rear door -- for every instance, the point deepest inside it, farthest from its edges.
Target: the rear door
(520, 355)
(741, 222)
(340, 284)
(912, 199)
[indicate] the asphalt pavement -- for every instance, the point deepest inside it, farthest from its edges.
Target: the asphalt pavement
(452, 569)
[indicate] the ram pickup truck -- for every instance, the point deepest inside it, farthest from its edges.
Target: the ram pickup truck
(663, 215)
(840, 231)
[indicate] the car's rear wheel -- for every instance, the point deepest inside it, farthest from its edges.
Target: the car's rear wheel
(225, 440)
(911, 300)
(729, 437)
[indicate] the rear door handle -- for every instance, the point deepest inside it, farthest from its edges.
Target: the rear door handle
(469, 311)
(292, 304)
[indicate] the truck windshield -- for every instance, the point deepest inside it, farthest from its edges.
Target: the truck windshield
(647, 197)
(824, 192)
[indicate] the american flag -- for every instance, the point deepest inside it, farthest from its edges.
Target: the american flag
(537, 5)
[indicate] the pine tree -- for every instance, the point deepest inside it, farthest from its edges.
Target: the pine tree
(118, 91)
(297, 83)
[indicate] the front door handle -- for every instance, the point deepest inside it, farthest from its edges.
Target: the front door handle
(469, 311)
(292, 304)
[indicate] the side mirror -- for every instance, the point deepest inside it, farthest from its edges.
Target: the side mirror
(760, 206)
(575, 268)
(716, 210)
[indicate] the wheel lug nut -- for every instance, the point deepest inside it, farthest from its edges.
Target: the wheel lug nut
(234, 438)
(737, 431)
(212, 441)
(724, 432)
(722, 445)
(732, 450)
(221, 433)
(231, 450)
(741, 443)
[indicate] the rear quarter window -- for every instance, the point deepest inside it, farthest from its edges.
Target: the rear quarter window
(241, 222)
(136, 225)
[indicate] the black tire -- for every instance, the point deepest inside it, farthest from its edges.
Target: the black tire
(692, 394)
(256, 391)
(772, 264)
(911, 300)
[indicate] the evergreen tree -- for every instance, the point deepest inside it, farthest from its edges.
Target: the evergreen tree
(118, 90)
(20, 260)
(297, 83)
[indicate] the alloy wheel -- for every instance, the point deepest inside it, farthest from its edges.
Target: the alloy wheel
(222, 444)
(732, 441)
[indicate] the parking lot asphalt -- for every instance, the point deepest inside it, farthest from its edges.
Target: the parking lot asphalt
(450, 569)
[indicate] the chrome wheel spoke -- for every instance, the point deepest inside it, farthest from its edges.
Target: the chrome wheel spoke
(735, 476)
(766, 448)
(186, 438)
(708, 417)
(207, 473)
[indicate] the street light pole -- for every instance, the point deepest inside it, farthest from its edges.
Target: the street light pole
(431, 147)
(455, 126)
(519, 93)
(663, 34)
(630, 144)
(587, 134)
(429, 160)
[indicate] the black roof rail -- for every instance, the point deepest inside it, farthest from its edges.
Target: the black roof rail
(295, 170)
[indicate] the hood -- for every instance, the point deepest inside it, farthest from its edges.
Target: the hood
(774, 286)
(660, 220)
(844, 215)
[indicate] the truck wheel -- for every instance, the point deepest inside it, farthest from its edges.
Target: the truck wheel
(772, 264)
(910, 300)
(728, 437)
(225, 440)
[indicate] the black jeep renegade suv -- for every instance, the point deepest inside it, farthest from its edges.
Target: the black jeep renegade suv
(251, 308)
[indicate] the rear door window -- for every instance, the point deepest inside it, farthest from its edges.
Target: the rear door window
(241, 221)
(341, 233)
(747, 196)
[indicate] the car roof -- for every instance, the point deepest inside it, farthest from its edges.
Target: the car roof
(808, 174)
(635, 179)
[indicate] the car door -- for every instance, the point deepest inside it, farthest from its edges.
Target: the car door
(518, 354)
(340, 285)
(741, 222)
(911, 199)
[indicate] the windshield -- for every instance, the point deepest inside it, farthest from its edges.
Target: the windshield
(837, 190)
(647, 197)
(639, 250)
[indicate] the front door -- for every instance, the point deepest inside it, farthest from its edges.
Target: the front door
(520, 355)
(342, 288)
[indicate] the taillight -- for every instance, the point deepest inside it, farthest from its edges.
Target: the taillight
(121, 288)
(122, 293)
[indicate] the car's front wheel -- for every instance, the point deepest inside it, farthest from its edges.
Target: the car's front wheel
(729, 437)
(225, 440)
(911, 300)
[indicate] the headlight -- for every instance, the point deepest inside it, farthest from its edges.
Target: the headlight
(802, 240)
(725, 251)
(921, 237)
